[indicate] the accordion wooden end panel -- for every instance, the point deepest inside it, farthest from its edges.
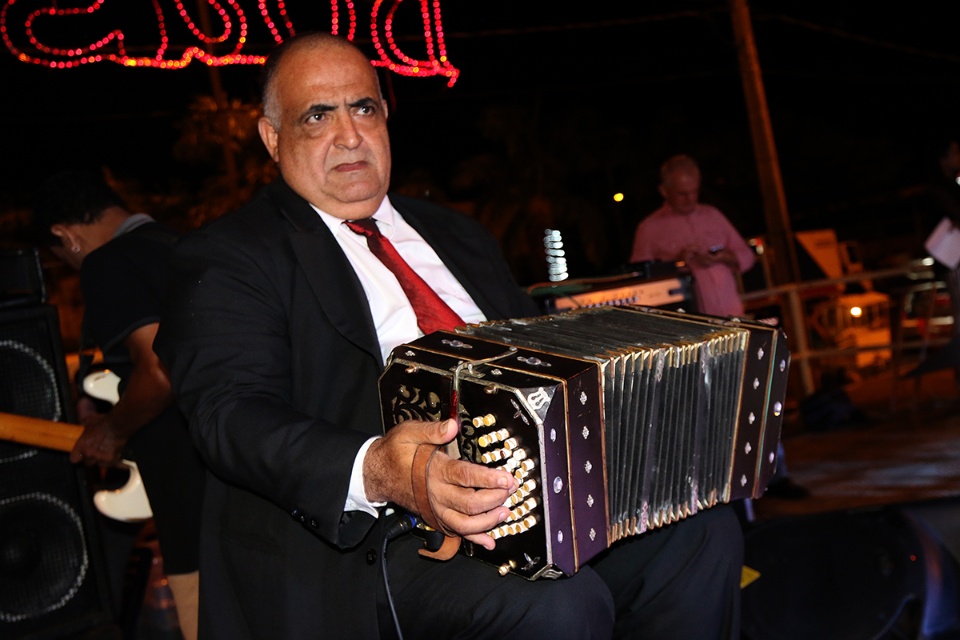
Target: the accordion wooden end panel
(615, 421)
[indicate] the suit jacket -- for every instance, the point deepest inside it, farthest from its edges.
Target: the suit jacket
(273, 356)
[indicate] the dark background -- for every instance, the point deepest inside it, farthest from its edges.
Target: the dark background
(557, 107)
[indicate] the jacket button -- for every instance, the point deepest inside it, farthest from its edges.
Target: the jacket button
(314, 523)
(371, 556)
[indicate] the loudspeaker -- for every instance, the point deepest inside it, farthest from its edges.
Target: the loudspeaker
(52, 582)
(21, 277)
(871, 574)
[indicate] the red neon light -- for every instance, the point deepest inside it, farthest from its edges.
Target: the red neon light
(27, 19)
(436, 63)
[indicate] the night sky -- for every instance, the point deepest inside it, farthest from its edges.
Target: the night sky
(855, 90)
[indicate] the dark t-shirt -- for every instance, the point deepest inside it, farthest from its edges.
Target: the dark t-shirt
(124, 283)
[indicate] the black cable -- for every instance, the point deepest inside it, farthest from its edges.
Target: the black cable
(403, 523)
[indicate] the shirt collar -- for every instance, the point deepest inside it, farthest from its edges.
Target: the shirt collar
(132, 222)
(384, 215)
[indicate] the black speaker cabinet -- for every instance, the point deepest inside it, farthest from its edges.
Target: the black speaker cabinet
(52, 582)
(870, 574)
(21, 277)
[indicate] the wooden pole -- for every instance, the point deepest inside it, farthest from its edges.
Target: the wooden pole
(785, 268)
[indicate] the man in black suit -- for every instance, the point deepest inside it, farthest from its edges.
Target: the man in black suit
(276, 331)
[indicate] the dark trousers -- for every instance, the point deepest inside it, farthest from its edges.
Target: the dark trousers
(679, 582)
(464, 598)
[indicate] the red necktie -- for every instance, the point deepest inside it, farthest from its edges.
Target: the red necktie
(433, 314)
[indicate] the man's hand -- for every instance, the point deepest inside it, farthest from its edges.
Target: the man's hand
(466, 497)
(725, 256)
(99, 443)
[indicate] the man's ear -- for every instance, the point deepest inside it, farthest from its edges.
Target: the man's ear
(67, 235)
(269, 136)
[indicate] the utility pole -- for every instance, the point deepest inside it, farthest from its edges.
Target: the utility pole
(785, 268)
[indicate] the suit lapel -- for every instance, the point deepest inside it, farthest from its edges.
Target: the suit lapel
(453, 251)
(334, 282)
(327, 270)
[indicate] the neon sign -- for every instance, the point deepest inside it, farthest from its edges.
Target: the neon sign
(33, 31)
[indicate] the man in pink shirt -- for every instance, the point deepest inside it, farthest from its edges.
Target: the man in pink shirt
(685, 230)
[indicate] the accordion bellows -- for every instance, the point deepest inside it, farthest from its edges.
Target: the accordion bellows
(616, 420)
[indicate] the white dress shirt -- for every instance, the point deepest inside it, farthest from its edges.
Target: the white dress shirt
(393, 315)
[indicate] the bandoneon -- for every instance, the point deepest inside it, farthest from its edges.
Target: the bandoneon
(615, 420)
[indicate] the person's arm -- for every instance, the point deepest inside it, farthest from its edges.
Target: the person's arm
(146, 395)
(731, 249)
(741, 256)
(721, 255)
(642, 250)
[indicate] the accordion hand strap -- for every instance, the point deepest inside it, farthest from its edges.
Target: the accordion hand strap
(421, 498)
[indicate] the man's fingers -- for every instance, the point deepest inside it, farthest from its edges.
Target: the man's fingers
(461, 473)
(442, 432)
(468, 498)
(469, 502)
(473, 529)
(482, 539)
(416, 432)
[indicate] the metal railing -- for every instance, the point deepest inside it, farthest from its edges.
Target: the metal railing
(790, 298)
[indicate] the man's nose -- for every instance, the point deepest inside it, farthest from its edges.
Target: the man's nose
(348, 135)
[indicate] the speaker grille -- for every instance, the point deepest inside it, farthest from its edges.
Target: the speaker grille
(44, 561)
(51, 581)
(32, 365)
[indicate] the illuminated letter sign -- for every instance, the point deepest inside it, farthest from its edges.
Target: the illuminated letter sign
(138, 33)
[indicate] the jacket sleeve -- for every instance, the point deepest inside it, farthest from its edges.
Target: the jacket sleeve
(225, 338)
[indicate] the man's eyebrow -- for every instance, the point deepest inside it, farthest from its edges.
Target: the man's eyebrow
(316, 109)
(363, 102)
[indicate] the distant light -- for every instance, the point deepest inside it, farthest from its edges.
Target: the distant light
(856, 312)
(618, 197)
